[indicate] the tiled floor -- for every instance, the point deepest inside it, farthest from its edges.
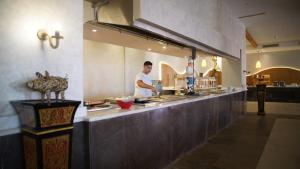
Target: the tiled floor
(276, 108)
(282, 149)
(238, 147)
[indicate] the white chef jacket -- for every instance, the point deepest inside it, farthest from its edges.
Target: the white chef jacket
(142, 92)
(189, 71)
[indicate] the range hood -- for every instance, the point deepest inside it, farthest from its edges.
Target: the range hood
(118, 15)
(120, 18)
(136, 31)
(133, 37)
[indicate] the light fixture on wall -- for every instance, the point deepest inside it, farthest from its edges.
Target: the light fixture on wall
(203, 63)
(53, 40)
(258, 64)
(214, 60)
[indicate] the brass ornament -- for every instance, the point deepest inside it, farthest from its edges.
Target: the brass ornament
(45, 84)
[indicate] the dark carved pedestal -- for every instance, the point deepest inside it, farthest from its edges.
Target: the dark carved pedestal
(261, 94)
(47, 132)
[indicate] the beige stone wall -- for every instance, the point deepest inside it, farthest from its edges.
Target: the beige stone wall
(22, 54)
(208, 22)
(274, 59)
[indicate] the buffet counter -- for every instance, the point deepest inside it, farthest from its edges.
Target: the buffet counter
(290, 94)
(116, 111)
(152, 136)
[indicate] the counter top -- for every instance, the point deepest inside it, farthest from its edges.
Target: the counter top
(117, 112)
(276, 86)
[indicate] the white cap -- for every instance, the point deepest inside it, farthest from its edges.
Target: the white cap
(190, 59)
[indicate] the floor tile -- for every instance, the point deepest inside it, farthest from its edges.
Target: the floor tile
(282, 149)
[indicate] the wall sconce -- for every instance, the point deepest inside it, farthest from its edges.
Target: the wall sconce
(203, 63)
(53, 40)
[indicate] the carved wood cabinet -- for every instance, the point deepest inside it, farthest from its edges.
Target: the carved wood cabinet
(47, 132)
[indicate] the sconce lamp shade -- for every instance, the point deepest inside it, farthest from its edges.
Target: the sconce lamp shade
(258, 65)
(203, 63)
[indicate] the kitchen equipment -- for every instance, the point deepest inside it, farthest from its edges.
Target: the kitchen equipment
(168, 92)
(125, 104)
(158, 85)
(219, 91)
(179, 93)
(99, 107)
(281, 83)
(173, 91)
(275, 83)
(94, 102)
(230, 89)
(142, 100)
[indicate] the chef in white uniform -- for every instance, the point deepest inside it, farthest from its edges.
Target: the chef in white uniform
(143, 82)
(190, 73)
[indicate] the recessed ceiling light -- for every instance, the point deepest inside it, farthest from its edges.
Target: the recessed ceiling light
(149, 49)
(164, 47)
(94, 30)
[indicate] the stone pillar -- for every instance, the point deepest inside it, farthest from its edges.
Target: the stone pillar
(261, 94)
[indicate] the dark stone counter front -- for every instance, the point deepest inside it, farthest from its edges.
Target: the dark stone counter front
(153, 139)
(145, 140)
(277, 94)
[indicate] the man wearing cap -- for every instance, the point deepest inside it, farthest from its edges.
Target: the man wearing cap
(190, 74)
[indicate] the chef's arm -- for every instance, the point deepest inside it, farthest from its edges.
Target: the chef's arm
(141, 84)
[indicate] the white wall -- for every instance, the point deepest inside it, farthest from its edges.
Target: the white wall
(234, 71)
(275, 59)
(134, 60)
(22, 54)
(231, 73)
(109, 70)
(103, 70)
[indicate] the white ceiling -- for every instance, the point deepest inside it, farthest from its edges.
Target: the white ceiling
(281, 23)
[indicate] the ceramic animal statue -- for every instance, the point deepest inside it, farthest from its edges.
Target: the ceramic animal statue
(45, 84)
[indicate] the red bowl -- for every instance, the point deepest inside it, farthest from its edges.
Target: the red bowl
(124, 105)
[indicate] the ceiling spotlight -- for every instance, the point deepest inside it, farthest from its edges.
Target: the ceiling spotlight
(149, 49)
(94, 30)
(164, 47)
